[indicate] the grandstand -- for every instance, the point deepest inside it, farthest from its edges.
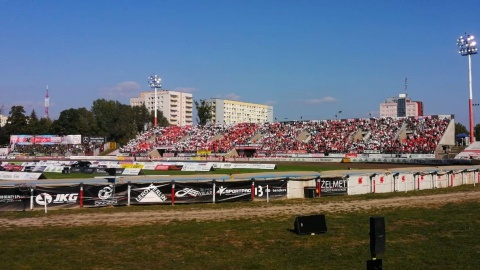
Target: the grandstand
(424, 135)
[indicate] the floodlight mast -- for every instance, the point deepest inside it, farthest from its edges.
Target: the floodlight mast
(154, 82)
(467, 46)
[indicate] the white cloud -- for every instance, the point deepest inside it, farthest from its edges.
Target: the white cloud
(270, 102)
(123, 89)
(316, 101)
(185, 89)
(230, 96)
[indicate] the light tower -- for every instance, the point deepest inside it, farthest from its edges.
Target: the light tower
(154, 82)
(467, 47)
(47, 104)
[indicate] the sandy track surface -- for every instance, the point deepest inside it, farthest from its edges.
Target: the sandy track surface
(247, 211)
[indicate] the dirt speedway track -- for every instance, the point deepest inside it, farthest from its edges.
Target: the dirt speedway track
(245, 211)
(167, 213)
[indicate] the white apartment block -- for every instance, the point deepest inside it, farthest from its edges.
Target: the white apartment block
(177, 107)
(3, 120)
(401, 107)
(232, 112)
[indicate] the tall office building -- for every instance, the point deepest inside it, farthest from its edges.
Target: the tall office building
(177, 107)
(401, 106)
(232, 112)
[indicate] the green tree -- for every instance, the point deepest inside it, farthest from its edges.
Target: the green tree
(162, 121)
(204, 112)
(75, 122)
(477, 132)
(107, 114)
(33, 124)
(460, 128)
(44, 126)
(17, 124)
(141, 117)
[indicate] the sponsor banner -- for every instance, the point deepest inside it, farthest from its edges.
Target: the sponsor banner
(54, 168)
(154, 193)
(296, 152)
(222, 165)
(148, 165)
(274, 189)
(39, 168)
(109, 164)
(44, 139)
(233, 191)
(193, 192)
(87, 139)
(333, 186)
(56, 197)
(186, 154)
(202, 152)
(131, 166)
(14, 198)
(105, 195)
(422, 156)
(83, 170)
(274, 159)
(24, 176)
(337, 155)
(72, 139)
(21, 139)
(197, 167)
(13, 167)
(131, 171)
(161, 168)
(351, 155)
(301, 155)
(227, 165)
(118, 171)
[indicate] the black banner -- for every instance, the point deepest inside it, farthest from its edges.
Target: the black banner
(233, 191)
(105, 195)
(56, 197)
(333, 186)
(276, 189)
(154, 193)
(14, 198)
(193, 192)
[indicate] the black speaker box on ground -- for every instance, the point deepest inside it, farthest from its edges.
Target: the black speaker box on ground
(310, 224)
(377, 235)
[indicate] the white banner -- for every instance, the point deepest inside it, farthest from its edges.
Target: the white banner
(131, 171)
(197, 167)
(14, 176)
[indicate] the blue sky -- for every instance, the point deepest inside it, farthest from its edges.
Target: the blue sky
(307, 58)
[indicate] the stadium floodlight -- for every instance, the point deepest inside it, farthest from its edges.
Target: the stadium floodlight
(467, 46)
(154, 82)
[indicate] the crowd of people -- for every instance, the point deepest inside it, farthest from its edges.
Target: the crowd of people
(383, 135)
(379, 135)
(53, 149)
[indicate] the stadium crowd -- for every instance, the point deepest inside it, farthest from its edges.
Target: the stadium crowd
(383, 135)
(380, 135)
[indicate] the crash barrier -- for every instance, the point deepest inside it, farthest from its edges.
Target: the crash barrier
(24, 197)
(35, 196)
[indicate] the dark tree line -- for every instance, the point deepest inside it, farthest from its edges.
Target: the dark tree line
(111, 119)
